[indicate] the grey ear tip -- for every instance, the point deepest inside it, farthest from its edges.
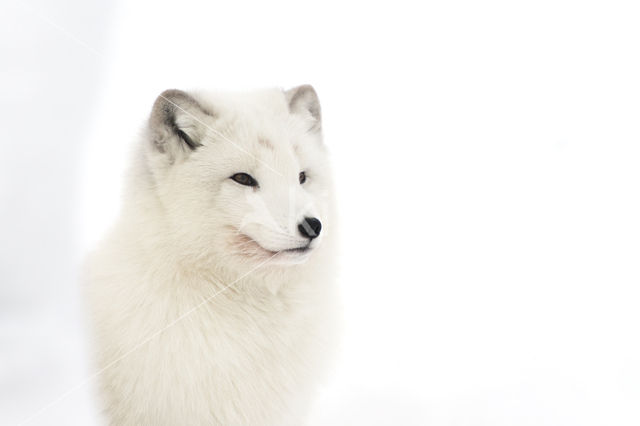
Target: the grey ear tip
(301, 90)
(305, 88)
(305, 91)
(170, 92)
(173, 95)
(305, 98)
(163, 100)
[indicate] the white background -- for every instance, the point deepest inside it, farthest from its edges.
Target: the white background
(486, 158)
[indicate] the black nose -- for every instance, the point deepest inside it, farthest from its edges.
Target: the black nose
(310, 227)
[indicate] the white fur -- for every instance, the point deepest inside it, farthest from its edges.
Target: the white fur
(195, 321)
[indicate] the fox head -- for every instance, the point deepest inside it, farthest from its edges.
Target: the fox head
(241, 177)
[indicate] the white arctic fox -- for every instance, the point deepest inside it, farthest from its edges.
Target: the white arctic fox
(212, 298)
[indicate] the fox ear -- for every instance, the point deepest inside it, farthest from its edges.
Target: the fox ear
(177, 124)
(303, 100)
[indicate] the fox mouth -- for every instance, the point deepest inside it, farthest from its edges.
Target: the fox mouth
(246, 245)
(300, 250)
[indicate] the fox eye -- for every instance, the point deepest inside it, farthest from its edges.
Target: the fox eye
(244, 179)
(302, 177)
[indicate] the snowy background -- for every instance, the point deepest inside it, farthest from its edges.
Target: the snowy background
(487, 158)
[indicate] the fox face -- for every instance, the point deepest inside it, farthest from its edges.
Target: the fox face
(241, 177)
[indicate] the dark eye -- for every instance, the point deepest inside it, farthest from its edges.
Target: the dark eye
(302, 177)
(244, 179)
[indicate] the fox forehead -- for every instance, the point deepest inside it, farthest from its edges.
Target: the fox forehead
(243, 149)
(269, 141)
(224, 132)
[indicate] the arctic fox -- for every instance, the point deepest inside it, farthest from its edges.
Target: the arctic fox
(212, 299)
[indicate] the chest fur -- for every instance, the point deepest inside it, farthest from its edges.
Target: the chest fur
(244, 360)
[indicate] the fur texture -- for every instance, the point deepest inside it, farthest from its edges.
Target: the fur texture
(209, 306)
